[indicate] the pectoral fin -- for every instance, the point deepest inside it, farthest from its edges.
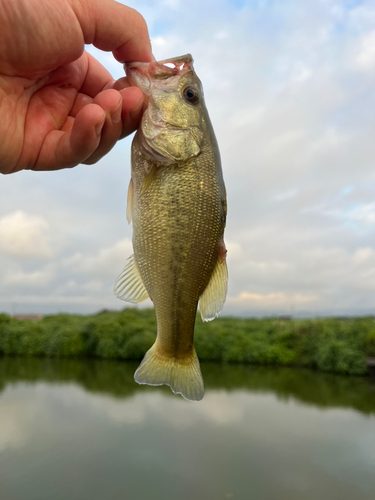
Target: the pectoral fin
(148, 178)
(129, 206)
(212, 300)
(129, 285)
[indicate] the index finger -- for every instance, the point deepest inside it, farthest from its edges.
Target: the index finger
(112, 26)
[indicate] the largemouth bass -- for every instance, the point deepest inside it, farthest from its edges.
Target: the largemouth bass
(177, 202)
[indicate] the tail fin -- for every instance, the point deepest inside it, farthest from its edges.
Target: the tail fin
(182, 375)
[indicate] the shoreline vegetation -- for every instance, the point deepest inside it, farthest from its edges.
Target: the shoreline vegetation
(329, 344)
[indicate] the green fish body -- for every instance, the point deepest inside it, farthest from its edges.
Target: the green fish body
(177, 203)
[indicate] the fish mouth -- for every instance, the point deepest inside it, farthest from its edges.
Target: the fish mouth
(181, 64)
(140, 74)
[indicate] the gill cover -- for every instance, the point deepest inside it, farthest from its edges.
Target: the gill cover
(170, 131)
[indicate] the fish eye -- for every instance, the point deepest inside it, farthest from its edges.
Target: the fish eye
(191, 95)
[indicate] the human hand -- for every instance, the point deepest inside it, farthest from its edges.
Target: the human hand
(58, 105)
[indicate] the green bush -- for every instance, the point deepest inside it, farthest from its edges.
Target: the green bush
(331, 345)
(137, 346)
(370, 343)
(337, 356)
(4, 319)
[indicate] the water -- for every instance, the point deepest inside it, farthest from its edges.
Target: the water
(83, 430)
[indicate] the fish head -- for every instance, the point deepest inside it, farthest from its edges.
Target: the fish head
(172, 126)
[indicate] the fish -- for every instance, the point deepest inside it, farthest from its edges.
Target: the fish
(177, 205)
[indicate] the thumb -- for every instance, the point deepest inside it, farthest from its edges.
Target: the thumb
(111, 26)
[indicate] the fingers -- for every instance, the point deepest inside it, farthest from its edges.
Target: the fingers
(132, 103)
(97, 77)
(66, 149)
(121, 83)
(80, 102)
(92, 129)
(111, 102)
(128, 112)
(114, 27)
(132, 108)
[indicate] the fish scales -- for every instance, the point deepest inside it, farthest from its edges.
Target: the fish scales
(176, 227)
(178, 209)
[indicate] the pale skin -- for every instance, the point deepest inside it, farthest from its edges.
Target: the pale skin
(58, 105)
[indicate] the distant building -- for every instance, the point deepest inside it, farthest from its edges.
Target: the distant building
(28, 317)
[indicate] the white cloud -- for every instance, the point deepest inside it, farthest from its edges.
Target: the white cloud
(173, 4)
(26, 236)
(364, 213)
(271, 300)
(366, 54)
(363, 254)
(222, 35)
(106, 262)
(62, 301)
(162, 46)
(93, 286)
(286, 195)
(36, 279)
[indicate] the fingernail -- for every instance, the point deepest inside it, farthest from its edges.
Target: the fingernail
(116, 113)
(99, 127)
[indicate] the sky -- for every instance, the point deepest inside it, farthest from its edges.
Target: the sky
(290, 88)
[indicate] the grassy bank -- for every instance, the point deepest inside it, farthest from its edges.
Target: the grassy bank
(330, 345)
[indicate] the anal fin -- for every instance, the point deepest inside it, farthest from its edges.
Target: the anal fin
(129, 285)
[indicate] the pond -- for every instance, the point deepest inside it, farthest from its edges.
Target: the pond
(83, 430)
